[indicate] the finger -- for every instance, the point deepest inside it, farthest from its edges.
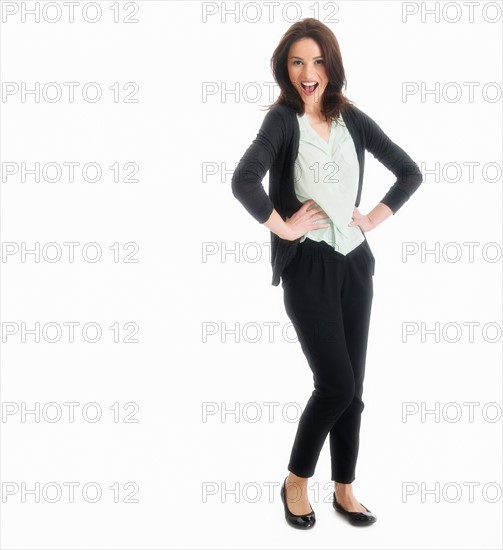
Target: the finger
(317, 210)
(314, 211)
(319, 217)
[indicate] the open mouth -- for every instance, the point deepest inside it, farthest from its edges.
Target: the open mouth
(309, 87)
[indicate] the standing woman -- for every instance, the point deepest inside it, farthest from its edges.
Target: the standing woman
(313, 141)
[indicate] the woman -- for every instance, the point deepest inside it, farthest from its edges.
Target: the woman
(313, 141)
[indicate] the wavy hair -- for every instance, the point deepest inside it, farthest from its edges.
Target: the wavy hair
(333, 100)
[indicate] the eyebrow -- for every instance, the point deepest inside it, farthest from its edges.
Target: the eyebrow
(296, 57)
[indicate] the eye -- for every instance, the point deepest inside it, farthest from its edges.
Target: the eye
(320, 61)
(296, 61)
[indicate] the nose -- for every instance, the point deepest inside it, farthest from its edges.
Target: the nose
(309, 72)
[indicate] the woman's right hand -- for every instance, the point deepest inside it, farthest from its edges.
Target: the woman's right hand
(303, 220)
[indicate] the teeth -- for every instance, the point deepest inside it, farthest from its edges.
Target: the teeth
(309, 83)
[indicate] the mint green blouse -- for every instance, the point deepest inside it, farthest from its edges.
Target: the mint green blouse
(328, 173)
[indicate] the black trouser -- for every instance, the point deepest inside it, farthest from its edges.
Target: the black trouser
(328, 298)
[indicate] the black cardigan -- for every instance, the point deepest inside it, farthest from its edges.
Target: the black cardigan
(275, 149)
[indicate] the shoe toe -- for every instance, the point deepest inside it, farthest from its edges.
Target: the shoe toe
(362, 518)
(302, 522)
(356, 518)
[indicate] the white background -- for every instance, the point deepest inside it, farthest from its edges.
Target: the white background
(173, 454)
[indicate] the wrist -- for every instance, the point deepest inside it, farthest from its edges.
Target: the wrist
(287, 232)
(372, 222)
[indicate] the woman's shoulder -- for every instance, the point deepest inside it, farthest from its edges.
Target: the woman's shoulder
(358, 118)
(351, 110)
(279, 118)
(282, 109)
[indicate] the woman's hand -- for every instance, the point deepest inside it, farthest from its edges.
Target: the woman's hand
(376, 216)
(304, 220)
(363, 222)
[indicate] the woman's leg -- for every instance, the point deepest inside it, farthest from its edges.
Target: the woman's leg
(313, 295)
(357, 293)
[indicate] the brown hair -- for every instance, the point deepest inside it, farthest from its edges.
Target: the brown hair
(333, 101)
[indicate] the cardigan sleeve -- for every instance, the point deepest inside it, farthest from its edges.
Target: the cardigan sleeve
(388, 153)
(247, 178)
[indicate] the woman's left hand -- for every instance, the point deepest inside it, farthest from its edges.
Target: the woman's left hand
(362, 221)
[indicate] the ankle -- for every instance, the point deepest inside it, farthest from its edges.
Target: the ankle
(343, 489)
(292, 479)
(296, 487)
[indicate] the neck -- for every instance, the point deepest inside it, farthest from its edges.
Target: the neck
(314, 112)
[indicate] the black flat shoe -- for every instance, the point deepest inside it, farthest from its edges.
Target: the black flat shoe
(359, 519)
(305, 521)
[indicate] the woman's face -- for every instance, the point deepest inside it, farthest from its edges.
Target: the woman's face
(306, 69)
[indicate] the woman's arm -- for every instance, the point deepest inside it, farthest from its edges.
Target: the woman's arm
(393, 157)
(247, 178)
(248, 189)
